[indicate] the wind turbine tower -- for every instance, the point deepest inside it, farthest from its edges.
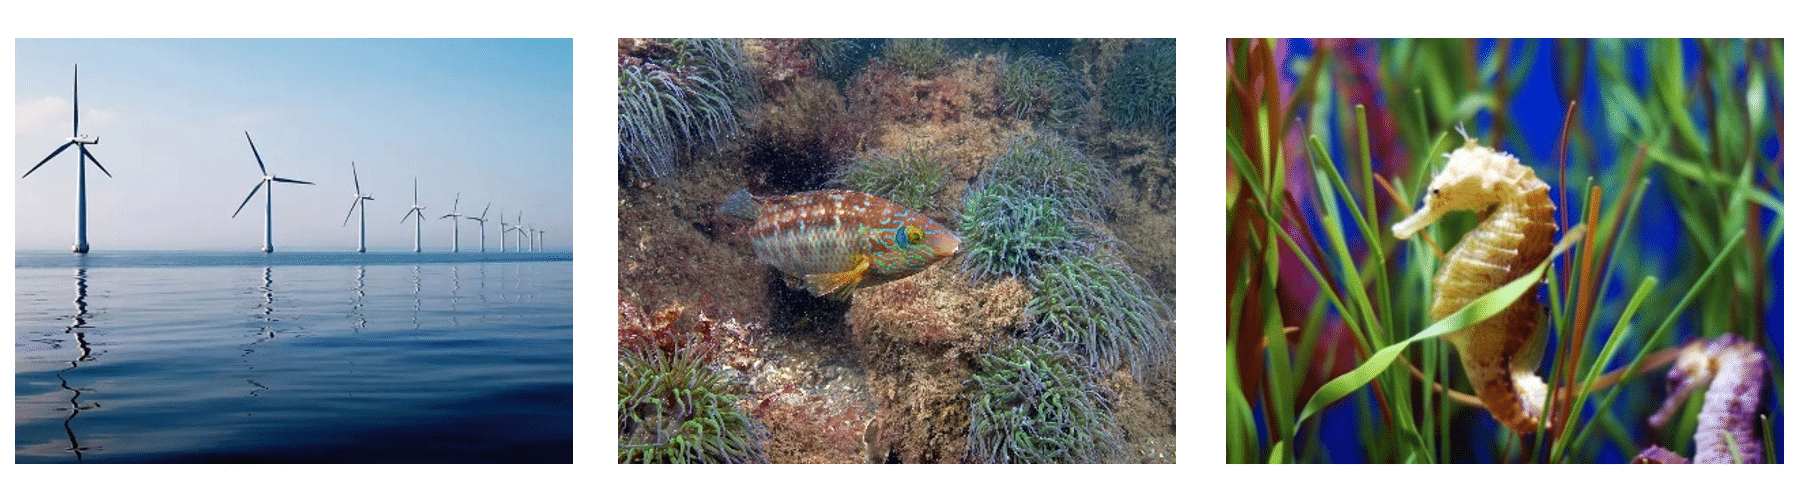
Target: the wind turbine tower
(362, 235)
(81, 143)
(483, 219)
(503, 233)
(268, 197)
(519, 230)
(456, 234)
(417, 210)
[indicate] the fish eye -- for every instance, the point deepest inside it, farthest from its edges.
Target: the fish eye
(914, 235)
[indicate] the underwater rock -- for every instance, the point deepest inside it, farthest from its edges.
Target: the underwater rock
(918, 338)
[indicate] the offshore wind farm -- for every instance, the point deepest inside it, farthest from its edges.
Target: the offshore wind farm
(171, 112)
(156, 321)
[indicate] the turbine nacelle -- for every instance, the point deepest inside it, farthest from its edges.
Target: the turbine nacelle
(82, 139)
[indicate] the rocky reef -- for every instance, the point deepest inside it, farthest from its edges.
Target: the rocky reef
(1004, 141)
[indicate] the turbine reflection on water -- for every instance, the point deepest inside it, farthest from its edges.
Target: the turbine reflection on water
(79, 329)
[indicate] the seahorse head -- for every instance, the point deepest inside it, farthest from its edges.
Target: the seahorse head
(1475, 178)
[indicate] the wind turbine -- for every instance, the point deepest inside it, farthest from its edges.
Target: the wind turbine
(503, 233)
(362, 224)
(81, 143)
(418, 227)
(268, 197)
(484, 220)
(519, 230)
(456, 230)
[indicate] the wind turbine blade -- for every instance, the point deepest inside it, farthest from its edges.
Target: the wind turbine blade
(47, 159)
(259, 185)
(84, 152)
(77, 128)
(485, 211)
(453, 203)
(409, 215)
(279, 179)
(259, 156)
(354, 181)
(352, 211)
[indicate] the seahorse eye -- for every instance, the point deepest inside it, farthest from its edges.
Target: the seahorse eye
(1434, 191)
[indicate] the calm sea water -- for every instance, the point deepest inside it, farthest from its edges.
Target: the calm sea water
(293, 358)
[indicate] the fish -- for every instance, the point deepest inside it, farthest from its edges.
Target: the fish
(832, 242)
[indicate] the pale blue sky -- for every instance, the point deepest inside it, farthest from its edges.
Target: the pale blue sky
(489, 118)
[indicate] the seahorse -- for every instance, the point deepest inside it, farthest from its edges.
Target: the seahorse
(1515, 234)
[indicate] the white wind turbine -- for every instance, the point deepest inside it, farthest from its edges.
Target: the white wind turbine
(484, 221)
(503, 233)
(456, 235)
(419, 210)
(519, 230)
(81, 143)
(362, 235)
(268, 197)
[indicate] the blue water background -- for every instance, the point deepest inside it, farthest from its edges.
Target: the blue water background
(293, 357)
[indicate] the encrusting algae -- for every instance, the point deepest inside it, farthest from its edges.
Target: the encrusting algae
(833, 241)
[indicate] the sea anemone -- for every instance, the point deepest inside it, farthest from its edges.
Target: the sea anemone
(1042, 198)
(678, 96)
(1035, 403)
(1010, 232)
(1142, 93)
(674, 407)
(919, 57)
(1044, 163)
(1095, 302)
(1040, 89)
(911, 176)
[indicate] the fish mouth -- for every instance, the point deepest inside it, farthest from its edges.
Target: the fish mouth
(945, 244)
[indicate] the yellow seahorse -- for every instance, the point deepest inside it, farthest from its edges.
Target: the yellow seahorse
(1515, 234)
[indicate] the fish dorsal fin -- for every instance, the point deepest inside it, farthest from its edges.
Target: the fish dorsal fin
(838, 285)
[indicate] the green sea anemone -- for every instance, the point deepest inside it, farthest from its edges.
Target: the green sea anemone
(1095, 302)
(1042, 198)
(1010, 232)
(678, 96)
(1040, 89)
(1044, 163)
(1035, 403)
(1142, 93)
(674, 407)
(911, 176)
(920, 57)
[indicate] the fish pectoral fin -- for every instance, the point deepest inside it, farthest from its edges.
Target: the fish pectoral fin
(838, 285)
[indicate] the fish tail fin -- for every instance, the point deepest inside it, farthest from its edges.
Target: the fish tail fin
(741, 205)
